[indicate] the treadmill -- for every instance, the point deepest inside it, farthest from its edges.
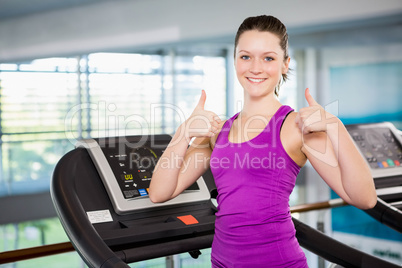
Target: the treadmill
(100, 192)
(381, 145)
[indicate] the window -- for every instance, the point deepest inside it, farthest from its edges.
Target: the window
(47, 104)
(34, 100)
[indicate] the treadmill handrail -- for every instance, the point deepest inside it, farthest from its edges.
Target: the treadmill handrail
(335, 251)
(386, 214)
(389, 190)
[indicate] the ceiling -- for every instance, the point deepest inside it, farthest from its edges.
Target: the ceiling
(14, 8)
(384, 29)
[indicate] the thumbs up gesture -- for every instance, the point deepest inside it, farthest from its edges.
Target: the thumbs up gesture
(202, 123)
(312, 118)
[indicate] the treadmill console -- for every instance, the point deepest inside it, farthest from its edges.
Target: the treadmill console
(381, 146)
(126, 164)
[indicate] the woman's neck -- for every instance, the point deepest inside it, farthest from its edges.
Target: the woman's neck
(263, 106)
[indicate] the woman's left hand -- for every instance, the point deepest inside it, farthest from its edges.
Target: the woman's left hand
(312, 118)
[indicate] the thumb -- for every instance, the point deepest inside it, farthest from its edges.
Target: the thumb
(201, 102)
(310, 100)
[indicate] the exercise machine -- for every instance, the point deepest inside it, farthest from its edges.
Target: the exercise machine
(381, 145)
(100, 192)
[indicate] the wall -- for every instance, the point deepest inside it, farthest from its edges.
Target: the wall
(128, 24)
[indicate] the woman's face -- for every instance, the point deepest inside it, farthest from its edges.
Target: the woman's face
(259, 62)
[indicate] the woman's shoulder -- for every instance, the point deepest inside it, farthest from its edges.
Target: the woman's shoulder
(292, 140)
(289, 127)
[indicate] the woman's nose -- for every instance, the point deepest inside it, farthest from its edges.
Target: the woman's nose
(255, 67)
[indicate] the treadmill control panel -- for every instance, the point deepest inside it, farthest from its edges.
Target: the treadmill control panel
(133, 168)
(381, 146)
(126, 165)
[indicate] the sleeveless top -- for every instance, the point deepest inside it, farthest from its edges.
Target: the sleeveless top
(254, 179)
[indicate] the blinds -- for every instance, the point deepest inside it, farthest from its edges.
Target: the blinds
(47, 104)
(35, 99)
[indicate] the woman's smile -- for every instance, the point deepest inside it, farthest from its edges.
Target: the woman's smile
(256, 80)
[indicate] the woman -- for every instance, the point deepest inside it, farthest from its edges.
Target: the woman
(255, 156)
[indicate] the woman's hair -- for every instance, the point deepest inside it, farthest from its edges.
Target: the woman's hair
(270, 24)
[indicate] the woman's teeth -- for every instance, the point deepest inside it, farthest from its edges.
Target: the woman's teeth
(256, 80)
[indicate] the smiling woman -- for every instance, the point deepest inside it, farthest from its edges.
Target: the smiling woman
(243, 149)
(260, 62)
(278, 47)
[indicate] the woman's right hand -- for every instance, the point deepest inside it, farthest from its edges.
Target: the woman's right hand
(179, 166)
(202, 123)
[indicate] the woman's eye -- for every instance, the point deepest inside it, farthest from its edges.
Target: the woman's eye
(268, 59)
(245, 57)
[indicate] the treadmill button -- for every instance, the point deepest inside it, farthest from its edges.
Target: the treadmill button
(397, 163)
(390, 163)
(385, 164)
(188, 219)
(380, 165)
(143, 192)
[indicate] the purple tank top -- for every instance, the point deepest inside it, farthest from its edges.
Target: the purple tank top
(254, 179)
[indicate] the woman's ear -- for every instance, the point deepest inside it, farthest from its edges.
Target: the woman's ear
(285, 67)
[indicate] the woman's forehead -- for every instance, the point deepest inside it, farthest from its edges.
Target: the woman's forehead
(258, 40)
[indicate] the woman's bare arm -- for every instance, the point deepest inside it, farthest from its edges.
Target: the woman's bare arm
(331, 151)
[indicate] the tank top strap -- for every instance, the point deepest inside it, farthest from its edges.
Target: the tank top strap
(280, 117)
(224, 133)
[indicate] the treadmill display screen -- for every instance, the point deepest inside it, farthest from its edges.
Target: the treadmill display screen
(133, 167)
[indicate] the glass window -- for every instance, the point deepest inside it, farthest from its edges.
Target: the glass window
(47, 104)
(122, 89)
(34, 100)
(192, 74)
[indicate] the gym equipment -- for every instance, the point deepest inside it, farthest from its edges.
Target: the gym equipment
(109, 230)
(100, 194)
(381, 145)
(126, 167)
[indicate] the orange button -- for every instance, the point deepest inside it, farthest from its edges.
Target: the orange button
(385, 164)
(188, 219)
